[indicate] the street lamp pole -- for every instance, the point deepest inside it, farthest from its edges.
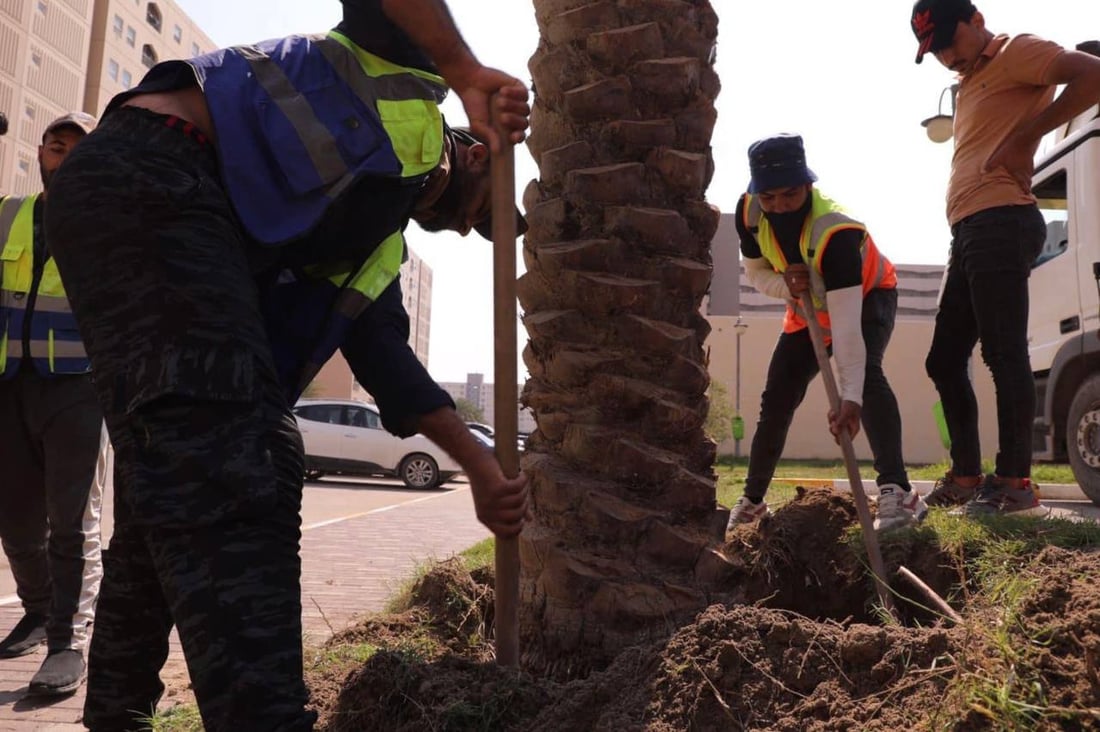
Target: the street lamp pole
(738, 422)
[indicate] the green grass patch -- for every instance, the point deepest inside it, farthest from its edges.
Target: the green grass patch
(480, 555)
(997, 681)
(477, 556)
(344, 653)
(736, 469)
(181, 718)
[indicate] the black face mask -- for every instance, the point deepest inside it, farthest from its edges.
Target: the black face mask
(789, 225)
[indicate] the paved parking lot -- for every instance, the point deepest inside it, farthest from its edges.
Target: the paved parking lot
(361, 539)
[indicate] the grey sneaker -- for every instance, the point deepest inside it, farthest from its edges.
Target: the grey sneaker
(60, 674)
(898, 507)
(747, 512)
(946, 492)
(27, 635)
(998, 498)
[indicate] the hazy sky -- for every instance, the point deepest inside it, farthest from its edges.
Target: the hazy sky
(840, 74)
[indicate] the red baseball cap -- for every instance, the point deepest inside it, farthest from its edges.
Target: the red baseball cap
(934, 23)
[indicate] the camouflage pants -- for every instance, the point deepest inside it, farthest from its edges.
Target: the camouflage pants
(208, 471)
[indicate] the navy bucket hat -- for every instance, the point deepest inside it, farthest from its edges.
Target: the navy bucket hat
(778, 162)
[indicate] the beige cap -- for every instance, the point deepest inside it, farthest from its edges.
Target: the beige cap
(81, 120)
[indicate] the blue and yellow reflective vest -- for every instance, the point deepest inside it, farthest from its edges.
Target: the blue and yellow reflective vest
(309, 312)
(33, 304)
(298, 120)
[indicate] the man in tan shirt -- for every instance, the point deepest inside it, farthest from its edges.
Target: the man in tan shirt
(1006, 103)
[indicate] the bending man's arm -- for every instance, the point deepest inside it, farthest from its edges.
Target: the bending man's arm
(377, 350)
(430, 26)
(765, 279)
(758, 270)
(842, 270)
(500, 502)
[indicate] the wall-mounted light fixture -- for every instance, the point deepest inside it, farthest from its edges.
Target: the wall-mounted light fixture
(940, 126)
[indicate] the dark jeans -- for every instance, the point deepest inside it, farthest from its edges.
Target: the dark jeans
(208, 461)
(985, 299)
(54, 467)
(794, 365)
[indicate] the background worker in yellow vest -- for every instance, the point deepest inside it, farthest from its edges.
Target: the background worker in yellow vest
(793, 240)
(53, 449)
(281, 165)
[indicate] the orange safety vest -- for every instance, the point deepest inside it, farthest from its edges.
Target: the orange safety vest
(826, 217)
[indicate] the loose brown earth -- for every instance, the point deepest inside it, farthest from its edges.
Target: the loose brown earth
(803, 650)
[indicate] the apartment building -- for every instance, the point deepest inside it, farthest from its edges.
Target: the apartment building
(57, 56)
(336, 380)
(416, 289)
(44, 47)
(128, 38)
(482, 395)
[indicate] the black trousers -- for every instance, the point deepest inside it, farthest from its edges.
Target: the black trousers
(208, 467)
(985, 299)
(793, 365)
(53, 455)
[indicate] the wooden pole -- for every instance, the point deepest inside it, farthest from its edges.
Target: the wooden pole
(506, 398)
(870, 538)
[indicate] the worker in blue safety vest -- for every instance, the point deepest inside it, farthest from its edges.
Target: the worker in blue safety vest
(235, 219)
(53, 449)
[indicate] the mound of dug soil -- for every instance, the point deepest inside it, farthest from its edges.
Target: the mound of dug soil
(748, 667)
(752, 668)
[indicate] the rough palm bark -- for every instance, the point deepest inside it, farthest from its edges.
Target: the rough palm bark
(618, 261)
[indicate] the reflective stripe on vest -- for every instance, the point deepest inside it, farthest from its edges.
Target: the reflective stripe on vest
(304, 117)
(55, 344)
(357, 291)
(826, 217)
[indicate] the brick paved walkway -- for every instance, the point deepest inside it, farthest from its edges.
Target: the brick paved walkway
(349, 567)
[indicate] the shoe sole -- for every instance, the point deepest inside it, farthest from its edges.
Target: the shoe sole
(897, 524)
(1039, 511)
(20, 652)
(66, 690)
(749, 520)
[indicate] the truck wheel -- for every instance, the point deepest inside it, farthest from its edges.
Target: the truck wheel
(1083, 437)
(419, 471)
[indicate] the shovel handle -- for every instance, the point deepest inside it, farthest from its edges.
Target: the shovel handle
(870, 538)
(502, 174)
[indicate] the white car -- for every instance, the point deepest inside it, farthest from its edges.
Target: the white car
(346, 437)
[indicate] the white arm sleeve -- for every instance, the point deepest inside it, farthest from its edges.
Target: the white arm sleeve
(765, 279)
(849, 350)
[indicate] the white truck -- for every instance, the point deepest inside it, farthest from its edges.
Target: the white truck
(1064, 324)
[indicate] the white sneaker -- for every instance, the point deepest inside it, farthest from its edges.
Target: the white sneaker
(897, 508)
(747, 512)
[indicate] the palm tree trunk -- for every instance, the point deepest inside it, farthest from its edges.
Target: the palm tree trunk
(618, 261)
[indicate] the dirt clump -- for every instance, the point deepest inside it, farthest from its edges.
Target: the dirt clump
(398, 692)
(752, 668)
(1026, 656)
(800, 558)
(1061, 614)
